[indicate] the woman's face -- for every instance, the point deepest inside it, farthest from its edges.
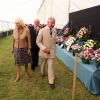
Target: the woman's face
(17, 24)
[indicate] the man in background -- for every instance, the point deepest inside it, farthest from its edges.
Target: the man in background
(34, 29)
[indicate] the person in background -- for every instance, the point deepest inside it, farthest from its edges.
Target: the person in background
(43, 25)
(46, 40)
(34, 29)
(21, 47)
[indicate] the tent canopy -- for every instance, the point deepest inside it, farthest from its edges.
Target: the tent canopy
(28, 10)
(60, 10)
(25, 9)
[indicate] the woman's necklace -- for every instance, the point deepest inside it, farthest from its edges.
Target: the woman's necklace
(20, 31)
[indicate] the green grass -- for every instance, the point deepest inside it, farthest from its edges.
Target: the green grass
(36, 87)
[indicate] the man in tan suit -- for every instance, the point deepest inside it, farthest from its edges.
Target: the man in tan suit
(46, 40)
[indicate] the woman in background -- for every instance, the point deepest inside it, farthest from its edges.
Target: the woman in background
(21, 47)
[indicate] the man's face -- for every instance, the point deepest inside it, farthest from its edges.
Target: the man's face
(51, 23)
(36, 23)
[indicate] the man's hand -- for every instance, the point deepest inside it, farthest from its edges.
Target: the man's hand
(46, 51)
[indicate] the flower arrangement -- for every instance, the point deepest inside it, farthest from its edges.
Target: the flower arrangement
(86, 55)
(76, 48)
(70, 40)
(97, 57)
(59, 39)
(83, 34)
(66, 31)
(89, 44)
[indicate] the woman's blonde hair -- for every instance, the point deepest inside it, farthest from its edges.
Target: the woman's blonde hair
(20, 21)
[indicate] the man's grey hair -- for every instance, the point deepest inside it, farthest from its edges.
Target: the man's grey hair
(37, 20)
(51, 18)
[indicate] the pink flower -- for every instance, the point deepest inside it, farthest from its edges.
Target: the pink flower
(87, 53)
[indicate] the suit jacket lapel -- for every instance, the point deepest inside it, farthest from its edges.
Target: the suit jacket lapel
(48, 31)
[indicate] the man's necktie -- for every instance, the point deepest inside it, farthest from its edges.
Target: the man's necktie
(51, 32)
(37, 30)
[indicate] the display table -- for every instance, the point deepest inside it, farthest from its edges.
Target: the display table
(87, 73)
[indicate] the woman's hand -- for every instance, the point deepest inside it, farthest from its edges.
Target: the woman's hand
(29, 52)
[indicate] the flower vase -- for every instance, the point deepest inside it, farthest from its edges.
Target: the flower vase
(97, 64)
(75, 51)
(86, 61)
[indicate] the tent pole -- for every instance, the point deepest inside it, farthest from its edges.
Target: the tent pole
(75, 75)
(51, 7)
(44, 11)
(69, 9)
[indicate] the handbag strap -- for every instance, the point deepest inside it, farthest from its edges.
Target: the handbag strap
(18, 39)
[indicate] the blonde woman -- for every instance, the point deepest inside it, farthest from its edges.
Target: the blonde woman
(21, 47)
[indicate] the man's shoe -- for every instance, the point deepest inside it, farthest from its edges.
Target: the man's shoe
(52, 86)
(43, 75)
(32, 69)
(37, 66)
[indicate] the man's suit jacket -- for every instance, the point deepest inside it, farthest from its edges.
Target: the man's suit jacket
(45, 40)
(33, 36)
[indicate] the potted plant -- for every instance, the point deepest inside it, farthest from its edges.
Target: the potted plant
(97, 57)
(69, 41)
(76, 49)
(83, 34)
(86, 55)
(89, 44)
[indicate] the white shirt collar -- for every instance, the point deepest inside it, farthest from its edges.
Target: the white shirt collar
(49, 28)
